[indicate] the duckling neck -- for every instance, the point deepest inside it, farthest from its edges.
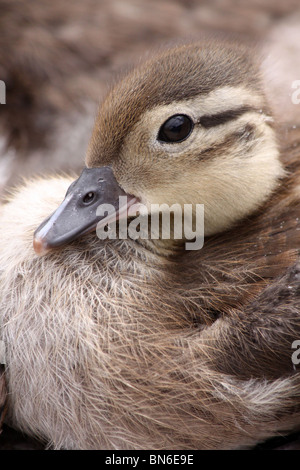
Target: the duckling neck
(160, 247)
(154, 238)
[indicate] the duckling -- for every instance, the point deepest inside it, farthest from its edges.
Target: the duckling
(140, 343)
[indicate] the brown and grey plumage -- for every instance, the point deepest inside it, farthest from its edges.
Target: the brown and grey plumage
(141, 344)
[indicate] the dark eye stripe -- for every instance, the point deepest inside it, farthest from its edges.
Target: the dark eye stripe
(208, 121)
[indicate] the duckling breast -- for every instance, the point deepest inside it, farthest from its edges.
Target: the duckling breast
(85, 329)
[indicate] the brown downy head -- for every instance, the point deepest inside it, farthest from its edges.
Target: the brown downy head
(189, 126)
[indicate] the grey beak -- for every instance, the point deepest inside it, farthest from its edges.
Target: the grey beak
(77, 213)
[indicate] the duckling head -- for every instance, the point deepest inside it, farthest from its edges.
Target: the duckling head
(189, 126)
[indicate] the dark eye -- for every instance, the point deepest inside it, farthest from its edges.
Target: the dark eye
(88, 198)
(176, 128)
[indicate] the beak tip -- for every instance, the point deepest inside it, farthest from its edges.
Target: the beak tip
(40, 246)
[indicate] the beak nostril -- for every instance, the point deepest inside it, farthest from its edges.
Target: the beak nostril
(89, 197)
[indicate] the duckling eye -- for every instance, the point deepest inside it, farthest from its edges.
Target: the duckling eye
(176, 129)
(88, 198)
